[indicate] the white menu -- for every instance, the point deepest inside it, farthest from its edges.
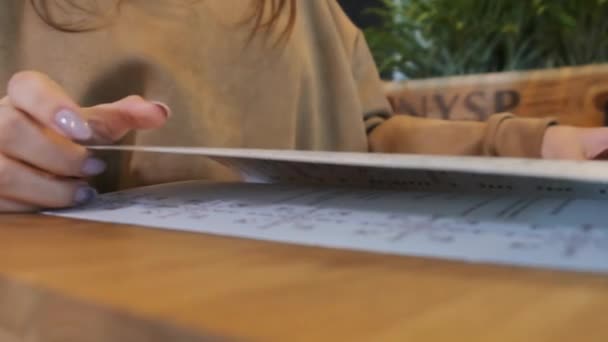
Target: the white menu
(489, 217)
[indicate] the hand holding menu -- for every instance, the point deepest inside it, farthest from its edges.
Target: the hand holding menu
(510, 211)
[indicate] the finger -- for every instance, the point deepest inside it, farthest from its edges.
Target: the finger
(112, 121)
(45, 101)
(9, 206)
(22, 139)
(23, 184)
(595, 142)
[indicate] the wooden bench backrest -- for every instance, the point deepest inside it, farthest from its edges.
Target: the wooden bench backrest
(575, 96)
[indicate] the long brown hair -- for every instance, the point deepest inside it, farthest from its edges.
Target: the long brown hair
(265, 14)
(276, 8)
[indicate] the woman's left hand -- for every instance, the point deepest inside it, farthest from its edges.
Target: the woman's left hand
(567, 142)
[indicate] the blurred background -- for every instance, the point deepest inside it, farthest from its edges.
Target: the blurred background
(467, 59)
(425, 38)
(358, 11)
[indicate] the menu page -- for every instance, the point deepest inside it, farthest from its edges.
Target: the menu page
(588, 179)
(558, 232)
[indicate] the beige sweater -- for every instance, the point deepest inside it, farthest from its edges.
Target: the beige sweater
(317, 91)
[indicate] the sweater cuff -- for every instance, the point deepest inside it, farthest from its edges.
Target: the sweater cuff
(511, 136)
(374, 120)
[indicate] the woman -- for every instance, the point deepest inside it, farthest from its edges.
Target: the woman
(280, 74)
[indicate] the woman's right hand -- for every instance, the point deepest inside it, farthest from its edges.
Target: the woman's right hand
(42, 161)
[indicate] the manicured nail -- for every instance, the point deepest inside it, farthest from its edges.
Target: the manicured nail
(163, 107)
(72, 125)
(84, 195)
(93, 167)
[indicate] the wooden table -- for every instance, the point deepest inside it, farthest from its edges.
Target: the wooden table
(63, 280)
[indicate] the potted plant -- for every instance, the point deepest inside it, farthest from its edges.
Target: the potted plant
(467, 59)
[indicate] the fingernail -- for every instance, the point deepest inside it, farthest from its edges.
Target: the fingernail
(71, 124)
(163, 107)
(93, 167)
(84, 195)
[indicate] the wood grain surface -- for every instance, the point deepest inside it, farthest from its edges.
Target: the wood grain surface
(64, 280)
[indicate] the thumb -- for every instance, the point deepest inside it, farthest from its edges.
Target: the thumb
(110, 122)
